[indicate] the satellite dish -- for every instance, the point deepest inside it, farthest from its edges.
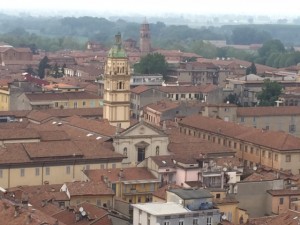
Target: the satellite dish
(254, 168)
(224, 169)
(83, 213)
(80, 209)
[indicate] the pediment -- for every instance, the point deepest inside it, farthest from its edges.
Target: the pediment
(142, 129)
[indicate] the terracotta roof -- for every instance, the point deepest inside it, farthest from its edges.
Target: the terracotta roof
(114, 175)
(41, 197)
(260, 177)
(268, 111)
(57, 150)
(161, 192)
(193, 146)
(38, 116)
(35, 80)
(7, 209)
(163, 161)
(18, 134)
(101, 127)
(82, 188)
(55, 135)
(139, 89)
(272, 139)
(261, 220)
(95, 215)
(85, 112)
(289, 217)
(60, 96)
(98, 131)
(52, 149)
(13, 153)
(162, 106)
(283, 192)
(225, 201)
(188, 89)
(17, 113)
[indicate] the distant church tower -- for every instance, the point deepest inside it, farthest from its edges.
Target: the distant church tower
(145, 43)
(117, 86)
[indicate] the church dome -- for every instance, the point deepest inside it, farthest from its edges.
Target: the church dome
(117, 51)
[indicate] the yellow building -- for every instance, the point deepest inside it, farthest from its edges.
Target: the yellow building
(229, 207)
(60, 100)
(53, 162)
(134, 184)
(4, 97)
(96, 193)
(255, 147)
(117, 86)
(279, 201)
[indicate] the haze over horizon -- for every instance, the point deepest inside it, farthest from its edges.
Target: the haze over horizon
(274, 8)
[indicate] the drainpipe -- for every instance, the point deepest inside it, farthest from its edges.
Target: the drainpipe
(43, 173)
(73, 172)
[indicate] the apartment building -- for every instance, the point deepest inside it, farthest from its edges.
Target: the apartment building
(254, 147)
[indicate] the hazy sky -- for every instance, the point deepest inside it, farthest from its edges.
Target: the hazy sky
(155, 7)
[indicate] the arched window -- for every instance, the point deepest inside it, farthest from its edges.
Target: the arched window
(125, 151)
(157, 150)
(120, 85)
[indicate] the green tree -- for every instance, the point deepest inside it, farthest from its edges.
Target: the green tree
(270, 47)
(269, 94)
(42, 66)
(246, 35)
(30, 70)
(251, 69)
(151, 64)
(232, 98)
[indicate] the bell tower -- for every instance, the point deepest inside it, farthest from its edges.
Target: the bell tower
(145, 43)
(116, 97)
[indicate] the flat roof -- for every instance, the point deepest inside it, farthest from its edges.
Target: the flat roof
(160, 209)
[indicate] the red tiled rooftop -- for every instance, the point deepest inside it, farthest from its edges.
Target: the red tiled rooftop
(139, 89)
(82, 188)
(268, 111)
(162, 106)
(128, 174)
(272, 139)
(188, 89)
(284, 192)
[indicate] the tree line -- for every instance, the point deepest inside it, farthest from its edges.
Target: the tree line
(56, 33)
